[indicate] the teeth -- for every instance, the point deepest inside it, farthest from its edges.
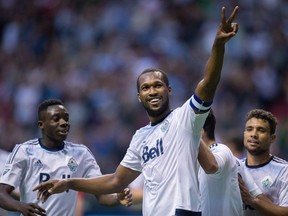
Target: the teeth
(154, 100)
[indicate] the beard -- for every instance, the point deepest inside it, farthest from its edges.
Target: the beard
(158, 112)
(257, 151)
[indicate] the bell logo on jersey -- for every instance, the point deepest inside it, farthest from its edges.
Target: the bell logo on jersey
(153, 152)
(45, 177)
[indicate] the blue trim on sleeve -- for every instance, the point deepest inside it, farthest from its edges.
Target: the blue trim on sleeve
(199, 105)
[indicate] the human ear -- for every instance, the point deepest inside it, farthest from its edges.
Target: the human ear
(40, 124)
(138, 96)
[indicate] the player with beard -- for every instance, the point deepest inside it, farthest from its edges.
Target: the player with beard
(166, 149)
(269, 172)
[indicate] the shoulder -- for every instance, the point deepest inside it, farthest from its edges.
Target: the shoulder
(76, 146)
(279, 161)
(26, 146)
(219, 147)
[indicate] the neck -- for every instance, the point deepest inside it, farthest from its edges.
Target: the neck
(156, 120)
(255, 160)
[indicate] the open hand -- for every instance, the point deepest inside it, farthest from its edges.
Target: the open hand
(46, 189)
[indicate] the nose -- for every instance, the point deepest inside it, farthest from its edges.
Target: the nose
(63, 122)
(152, 91)
(253, 133)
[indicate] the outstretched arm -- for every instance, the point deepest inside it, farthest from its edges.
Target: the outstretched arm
(106, 184)
(206, 88)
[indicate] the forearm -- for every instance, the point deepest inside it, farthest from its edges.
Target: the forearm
(9, 203)
(109, 200)
(208, 85)
(268, 208)
(105, 184)
(207, 159)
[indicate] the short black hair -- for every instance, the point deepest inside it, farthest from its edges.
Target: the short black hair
(209, 125)
(148, 70)
(46, 103)
(264, 115)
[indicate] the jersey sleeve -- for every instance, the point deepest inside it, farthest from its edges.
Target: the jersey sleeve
(189, 120)
(91, 167)
(15, 167)
(132, 158)
(221, 156)
(283, 196)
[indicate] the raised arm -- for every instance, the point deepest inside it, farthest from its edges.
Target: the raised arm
(106, 184)
(206, 88)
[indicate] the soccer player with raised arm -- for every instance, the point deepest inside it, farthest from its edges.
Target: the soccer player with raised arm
(166, 149)
(269, 172)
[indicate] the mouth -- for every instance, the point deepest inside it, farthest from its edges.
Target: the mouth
(63, 132)
(154, 101)
(253, 142)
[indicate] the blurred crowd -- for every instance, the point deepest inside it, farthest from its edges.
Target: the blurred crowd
(89, 54)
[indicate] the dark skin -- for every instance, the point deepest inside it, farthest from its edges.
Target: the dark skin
(154, 96)
(54, 125)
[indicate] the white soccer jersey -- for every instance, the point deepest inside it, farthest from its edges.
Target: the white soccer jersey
(166, 154)
(220, 192)
(272, 179)
(3, 157)
(31, 163)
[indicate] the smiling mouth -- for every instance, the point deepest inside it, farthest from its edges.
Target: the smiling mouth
(64, 132)
(154, 101)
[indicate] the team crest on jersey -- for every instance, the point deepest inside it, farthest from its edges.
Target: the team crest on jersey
(72, 164)
(266, 183)
(165, 126)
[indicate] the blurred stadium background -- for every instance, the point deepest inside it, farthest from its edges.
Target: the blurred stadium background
(89, 54)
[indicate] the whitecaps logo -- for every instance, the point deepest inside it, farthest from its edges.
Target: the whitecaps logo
(165, 126)
(266, 183)
(72, 164)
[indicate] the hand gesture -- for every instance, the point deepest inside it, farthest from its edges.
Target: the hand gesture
(245, 194)
(46, 189)
(227, 28)
(31, 209)
(125, 198)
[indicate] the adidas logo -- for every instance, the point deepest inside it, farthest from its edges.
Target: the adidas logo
(38, 163)
(5, 171)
